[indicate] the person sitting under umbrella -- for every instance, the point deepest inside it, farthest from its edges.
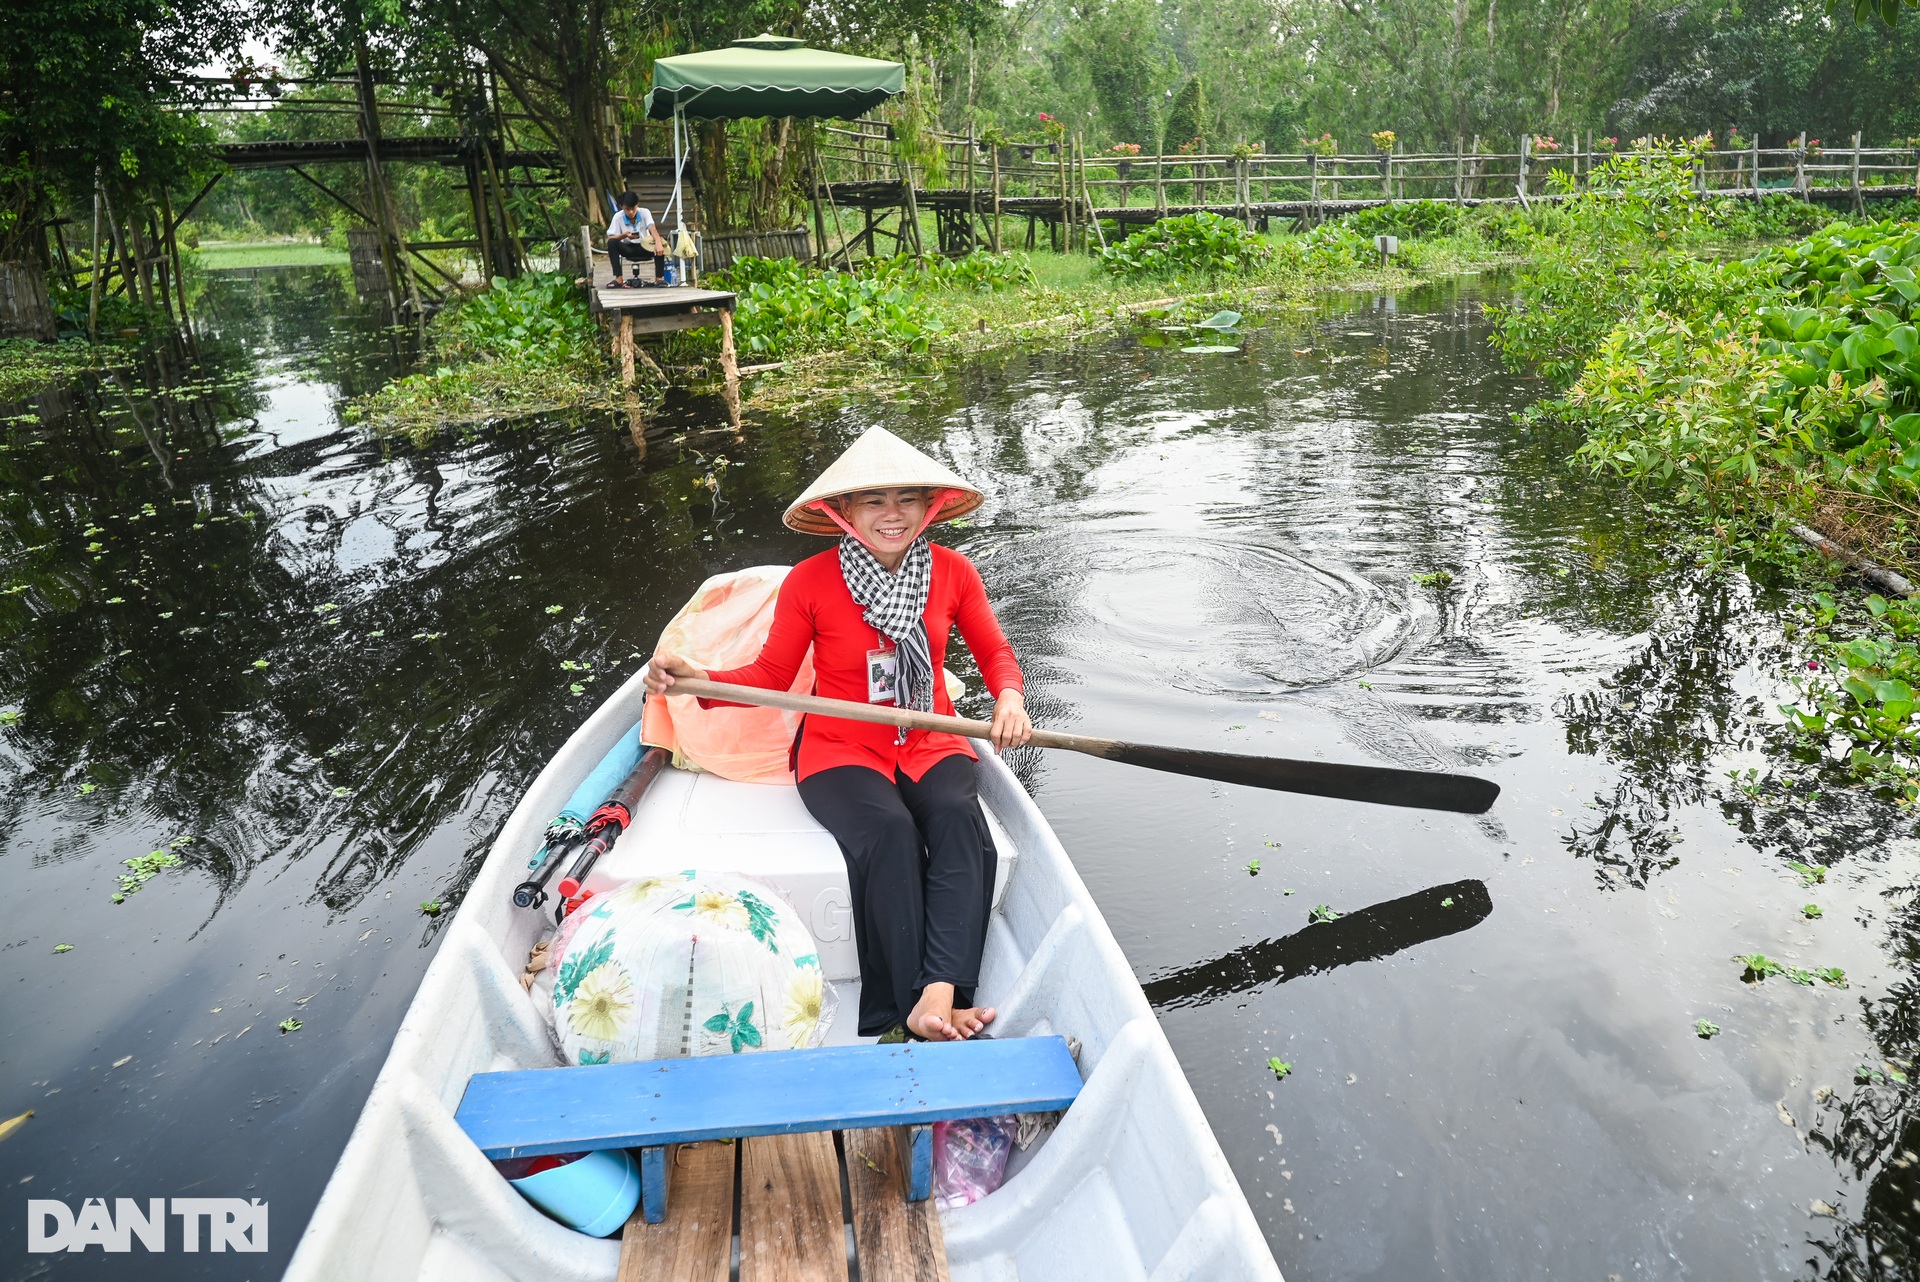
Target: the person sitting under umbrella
(903, 804)
(633, 234)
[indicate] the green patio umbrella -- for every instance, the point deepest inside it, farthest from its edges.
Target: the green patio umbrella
(763, 75)
(769, 75)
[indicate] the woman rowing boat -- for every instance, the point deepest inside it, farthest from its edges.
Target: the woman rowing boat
(903, 804)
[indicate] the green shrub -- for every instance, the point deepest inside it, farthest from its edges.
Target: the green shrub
(517, 348)
(986, 273)
(786, 308)
(1330, 247)
(1191, 245)
(1773, 217)
(541, 317)
(1416, 219)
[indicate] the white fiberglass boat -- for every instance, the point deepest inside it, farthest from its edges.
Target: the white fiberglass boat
(1130, 1185)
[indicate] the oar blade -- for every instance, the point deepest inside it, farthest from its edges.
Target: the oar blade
(1380, 785)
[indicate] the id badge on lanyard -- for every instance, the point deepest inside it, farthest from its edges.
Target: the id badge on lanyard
(882, 669)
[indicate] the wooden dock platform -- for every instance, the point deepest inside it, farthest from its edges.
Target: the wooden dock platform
(656, 309)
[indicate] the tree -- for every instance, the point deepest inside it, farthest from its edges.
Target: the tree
(1120, 44)
(83, 88)
(1186, 120)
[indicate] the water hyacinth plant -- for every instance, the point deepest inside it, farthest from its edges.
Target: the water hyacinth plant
(1200, 244)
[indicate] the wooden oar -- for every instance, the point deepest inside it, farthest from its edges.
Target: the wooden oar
(1381, 785)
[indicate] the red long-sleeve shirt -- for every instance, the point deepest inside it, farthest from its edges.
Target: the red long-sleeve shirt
(816, 609)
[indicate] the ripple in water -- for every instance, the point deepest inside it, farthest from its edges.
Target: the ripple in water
(1211, 615)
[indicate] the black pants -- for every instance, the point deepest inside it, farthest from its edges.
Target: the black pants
(920, 862)
(618, 249)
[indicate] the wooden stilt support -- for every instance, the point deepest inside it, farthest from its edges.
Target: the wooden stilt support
(93, 284)
(517, 253)
(996, 195)
(729, 359)
(482, 219)
(909, 203)
(819, 216)
(179, 276)
(392, 241)
(623, 345)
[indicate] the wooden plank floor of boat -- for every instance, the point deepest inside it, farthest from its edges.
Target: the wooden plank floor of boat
(793, 1218)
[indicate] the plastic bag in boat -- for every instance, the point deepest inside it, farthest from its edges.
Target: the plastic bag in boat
(724, 626)
(690, 963)
(970, 1158)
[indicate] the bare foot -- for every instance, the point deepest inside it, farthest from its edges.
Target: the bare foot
(972, 1019)
(932, 1016)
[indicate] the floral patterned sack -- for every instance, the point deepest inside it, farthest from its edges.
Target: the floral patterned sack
(690, 963)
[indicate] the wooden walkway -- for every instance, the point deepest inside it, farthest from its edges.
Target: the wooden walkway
(793, 1224)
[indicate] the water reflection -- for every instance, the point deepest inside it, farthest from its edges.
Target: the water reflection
(1368, 934)
(335, 666)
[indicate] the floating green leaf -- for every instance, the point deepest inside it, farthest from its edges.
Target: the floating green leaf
(1705, 1028)
(290, 1025)
(1280, 1068)
(1253, 868)
(1758, 967)
(1321, 912)
(1810, 874)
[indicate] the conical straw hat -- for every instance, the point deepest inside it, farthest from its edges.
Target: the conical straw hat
(879, 460)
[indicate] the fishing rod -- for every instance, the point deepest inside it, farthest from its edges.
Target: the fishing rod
(613, 817)
(1380, 785)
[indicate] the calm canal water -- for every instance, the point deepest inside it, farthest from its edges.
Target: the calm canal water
(333, 666)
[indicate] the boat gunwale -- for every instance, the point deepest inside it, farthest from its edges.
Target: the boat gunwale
(422, 1063)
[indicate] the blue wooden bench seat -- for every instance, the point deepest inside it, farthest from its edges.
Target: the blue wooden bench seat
(650, 1105)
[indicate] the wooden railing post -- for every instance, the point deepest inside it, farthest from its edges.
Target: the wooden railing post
(1459, 171)
(1520, 186)
(1800, 165)
(1313, 182)
(1756, 163)
(1160, 182)
(1859, 200)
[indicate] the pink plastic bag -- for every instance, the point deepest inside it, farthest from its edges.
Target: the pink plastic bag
(970, 1158)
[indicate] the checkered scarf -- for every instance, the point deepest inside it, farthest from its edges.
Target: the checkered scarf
(896, 606)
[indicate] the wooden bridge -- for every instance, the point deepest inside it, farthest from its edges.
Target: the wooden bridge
(446, 150)
(1077, 197)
